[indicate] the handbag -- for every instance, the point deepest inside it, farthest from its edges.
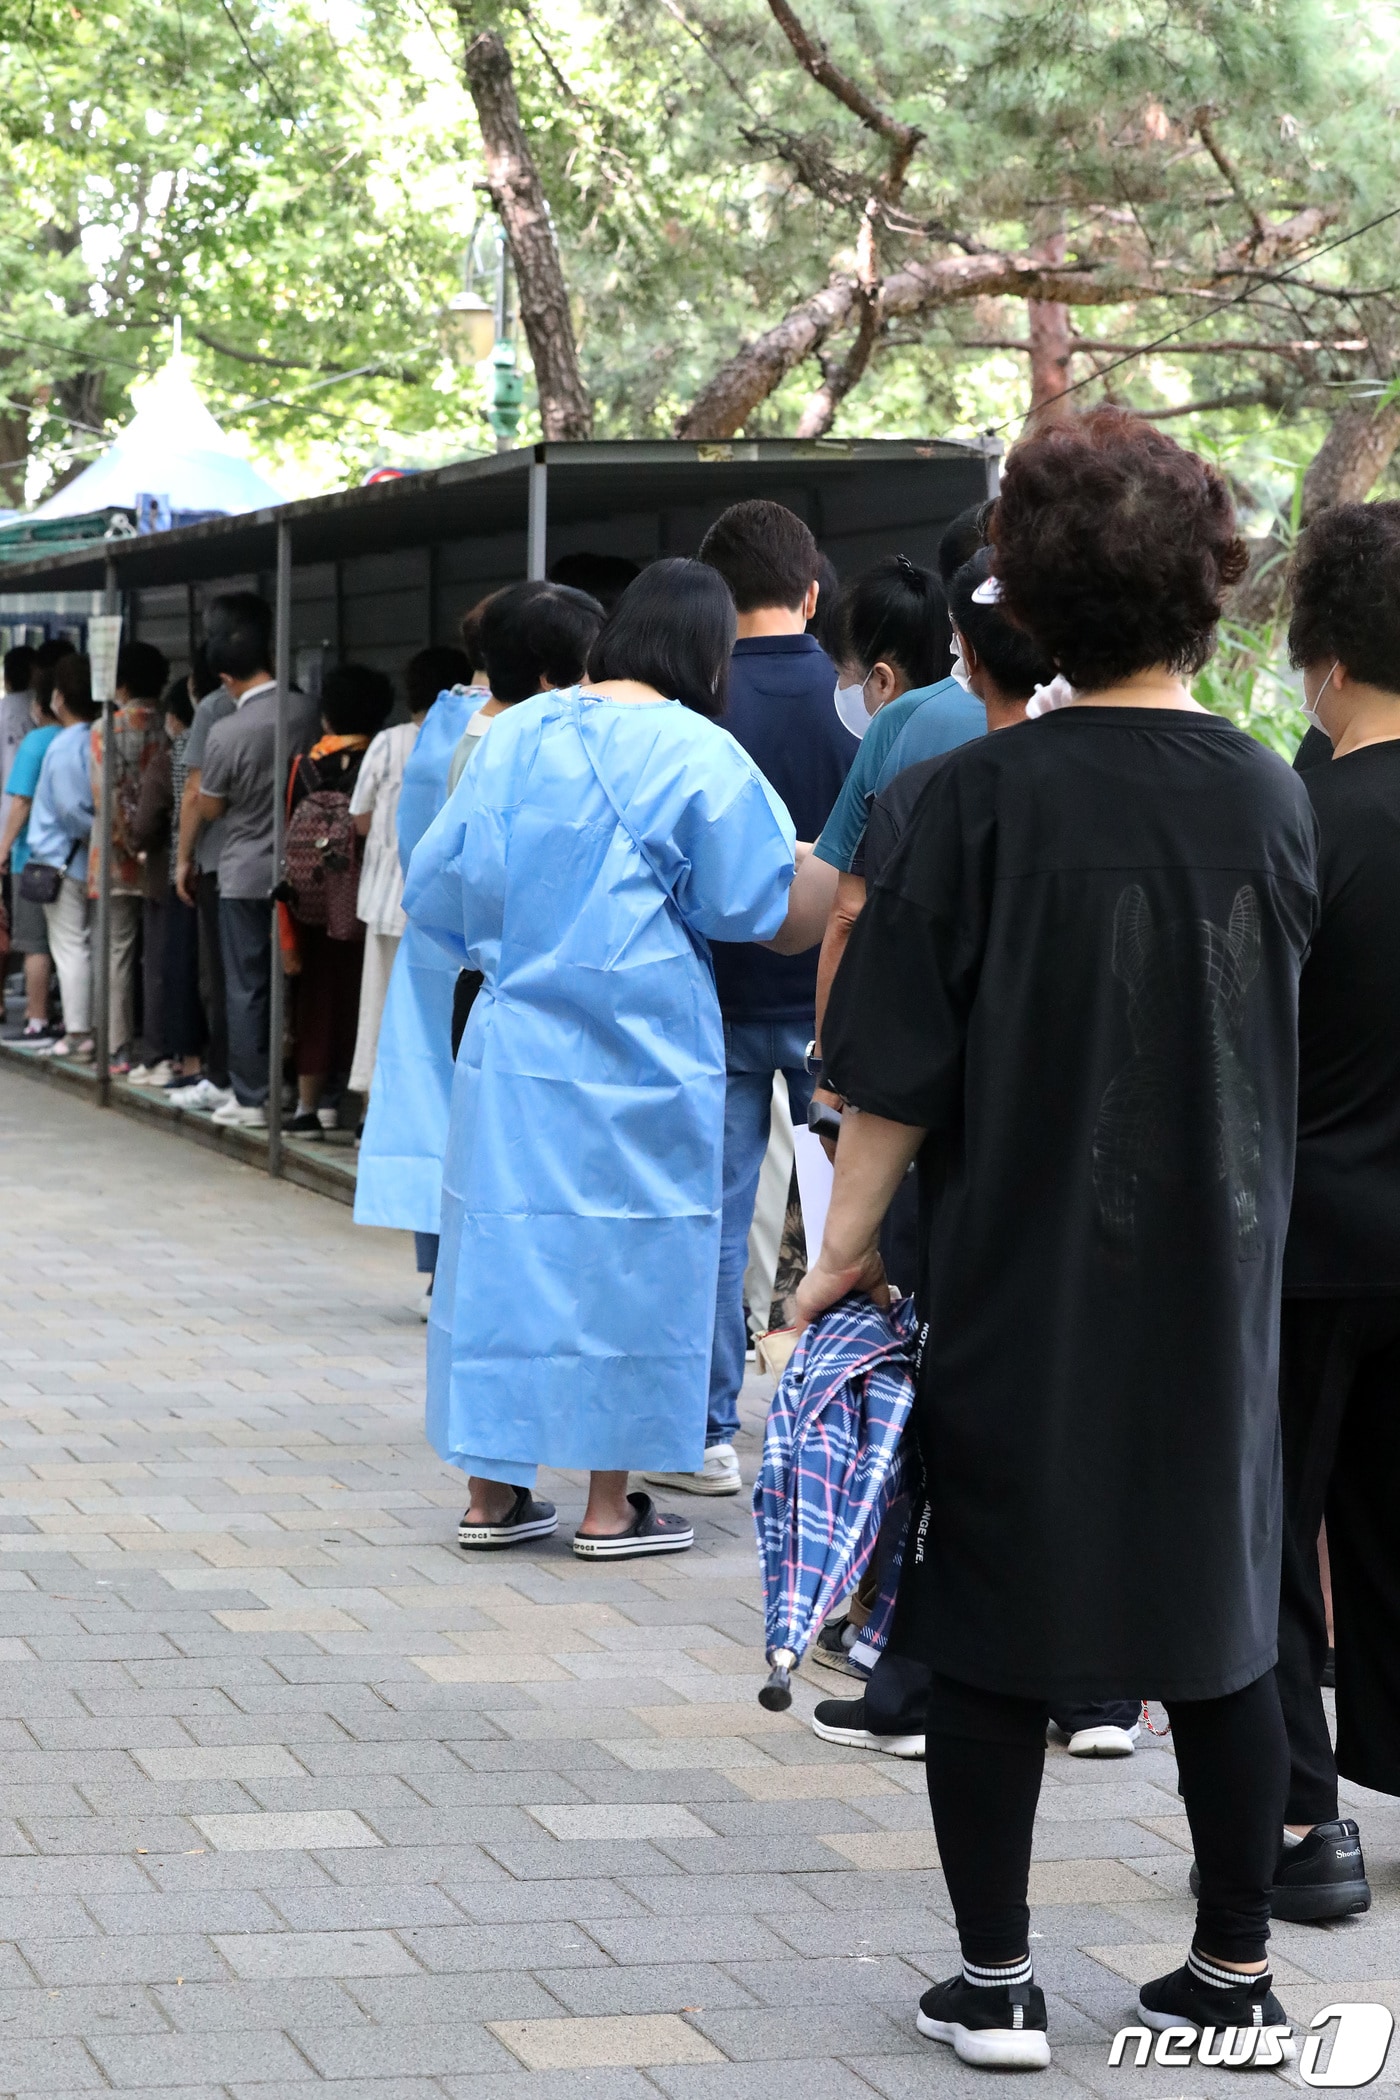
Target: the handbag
(40, 884)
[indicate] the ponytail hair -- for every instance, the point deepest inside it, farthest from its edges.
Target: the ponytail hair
(897, 611)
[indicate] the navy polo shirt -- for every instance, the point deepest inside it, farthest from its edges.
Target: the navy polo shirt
(782, 710)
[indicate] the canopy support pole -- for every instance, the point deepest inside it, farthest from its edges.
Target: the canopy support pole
(102, 961)
(537, 521)
(277, 1001)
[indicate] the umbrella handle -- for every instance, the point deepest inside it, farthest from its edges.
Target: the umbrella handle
(776, 1695)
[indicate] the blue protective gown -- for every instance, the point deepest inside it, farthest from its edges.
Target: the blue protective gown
(399, 1181)
(575, 1292)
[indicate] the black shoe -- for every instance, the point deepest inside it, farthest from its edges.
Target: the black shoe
(1324, 1876)
(1321, 1877)
(305, 1123)
(1003, 2029)
(843, 1721)
(525, 1519)
(1184, 2000)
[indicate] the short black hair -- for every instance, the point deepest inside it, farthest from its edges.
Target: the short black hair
(19, 669)
(434, 671)
(356, 699)
(604, 576)
(47, 657)
(238, 634)
(897, 611)
(1346, 593)
(72, 680)
(825, 622)
(531, 631)
(471, 628)
(1016, 661)
(764, 552)
(176, 701)
(204, 679)
(673, 629)
(142, 670)
(962, 538)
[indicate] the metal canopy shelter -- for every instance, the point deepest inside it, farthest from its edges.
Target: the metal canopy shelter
(381, 571)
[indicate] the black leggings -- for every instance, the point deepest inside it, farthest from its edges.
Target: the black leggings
(985, 1753)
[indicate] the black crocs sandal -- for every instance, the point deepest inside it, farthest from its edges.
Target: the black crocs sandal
(649, 1532)
(525, 1519)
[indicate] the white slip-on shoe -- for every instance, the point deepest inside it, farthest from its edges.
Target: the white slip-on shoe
(718, 1476)
(1106, 1741)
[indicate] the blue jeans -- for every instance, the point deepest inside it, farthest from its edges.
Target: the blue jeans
(754, 1051)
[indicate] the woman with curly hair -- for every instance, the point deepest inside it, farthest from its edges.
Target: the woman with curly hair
(1339, 1382)
(1073, 997)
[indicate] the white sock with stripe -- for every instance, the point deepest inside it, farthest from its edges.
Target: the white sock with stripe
(1217, 1979)
(997, 1979)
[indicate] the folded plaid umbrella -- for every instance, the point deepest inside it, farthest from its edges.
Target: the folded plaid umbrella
(831, 1467)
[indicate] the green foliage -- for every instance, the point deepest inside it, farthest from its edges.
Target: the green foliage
(297, 180)
(1249, 682)
(282, 189)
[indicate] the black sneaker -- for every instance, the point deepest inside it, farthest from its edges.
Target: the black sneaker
(1002, 2029)
(1321, 1877)
(305, 1123)
(1185, 2000)
(843, 1721)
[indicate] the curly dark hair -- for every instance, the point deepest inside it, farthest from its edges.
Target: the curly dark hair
(1346, 593)
(1114, 548)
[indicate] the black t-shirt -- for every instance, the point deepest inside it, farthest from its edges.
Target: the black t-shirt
(890, 813)
(1344, 1234)
(1079, 973)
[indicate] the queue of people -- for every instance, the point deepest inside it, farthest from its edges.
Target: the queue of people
(192, 879)
(1053, 935)
(1099, 994)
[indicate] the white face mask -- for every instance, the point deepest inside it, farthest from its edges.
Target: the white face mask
(1310, 711)
(959, 671)
(851, 707)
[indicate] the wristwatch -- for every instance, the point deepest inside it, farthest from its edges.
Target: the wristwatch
(811, 1058)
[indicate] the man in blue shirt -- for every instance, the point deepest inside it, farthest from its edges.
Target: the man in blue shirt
(782, 710)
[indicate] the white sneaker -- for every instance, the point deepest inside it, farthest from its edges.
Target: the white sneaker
(234, 1116)
(202, 1095)
(150, 1075)
(1107, 1741)
(328, 1118)
(718, 1476)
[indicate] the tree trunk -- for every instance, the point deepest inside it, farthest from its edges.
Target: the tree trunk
(1345, 468)
(1050, 345)
(14, 457)
(518, 195)
(1352, 457)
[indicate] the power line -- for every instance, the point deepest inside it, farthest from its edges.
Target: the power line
(1183, 327)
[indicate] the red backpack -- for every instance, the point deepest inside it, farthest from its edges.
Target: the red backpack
(321, 860)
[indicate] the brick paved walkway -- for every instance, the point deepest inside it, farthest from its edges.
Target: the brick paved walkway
(294, 1798)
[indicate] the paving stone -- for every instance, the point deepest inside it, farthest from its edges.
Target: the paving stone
(317, 1830)
(224, 1540)
(562, 2045)
(256, 1954)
